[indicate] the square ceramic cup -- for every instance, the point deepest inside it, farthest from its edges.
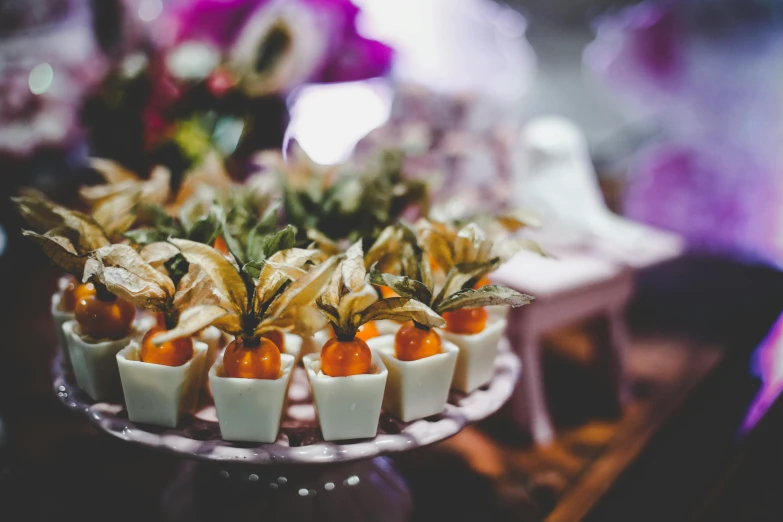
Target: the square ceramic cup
(249, 410)
(347, 407)
(415, 389)
(476, 357)
(158, 394)
(94, 361)
(386, 327)
(60, 318)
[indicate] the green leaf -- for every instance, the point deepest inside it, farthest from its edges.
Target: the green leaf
(282, 240)
(490, 295)
(204, 230)
(145, 236)
(404, 286)
(253, 269)
(234, 246)
(177, 267)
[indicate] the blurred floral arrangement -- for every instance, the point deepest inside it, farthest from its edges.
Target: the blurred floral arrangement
(292, 250)
(176, 81)
(219, 73)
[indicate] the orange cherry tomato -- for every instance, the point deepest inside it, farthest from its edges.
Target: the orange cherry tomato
(387, 292)
(221, 246)
(252, 359)
(72, 292)
(484, 281)
(277, 337)
(111, 319)
(413, 342)
(466, 320)
(171, 353)
(344, 358)
(367, 331)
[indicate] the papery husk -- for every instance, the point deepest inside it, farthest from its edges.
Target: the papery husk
(157, 254)
(196, 288)
(304, 290)
(400, 309)
(352, 268)
(125, 274)
(224, 274)
(191, 321)
(60, 250)
(353, 304)
(271, 279)
(489, 295)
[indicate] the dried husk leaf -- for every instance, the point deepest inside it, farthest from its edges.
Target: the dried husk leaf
(36, 210)
(329, 311)
(44, 215)
(191, 321)
(304, 321)
(125, 274)
(304, 290)
(489, 295)
(270, 279)
(404, 286)
(224, 274)
(461, 275)
(330, 295)
(156, 189)
(196, 288)
(322, 242)
(60, 250)
(471, 245)
(353, 303)
(435, 244)
(291, 272)
(230, 323)
(508, 248)
(352, 267)
(156, 254)
(387, 241)
(112, 171)
(118, 213)
(89, 235)
(400, 309)
(94, 194)
(518, 219)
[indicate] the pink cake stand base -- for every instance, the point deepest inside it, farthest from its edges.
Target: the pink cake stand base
(300, 476)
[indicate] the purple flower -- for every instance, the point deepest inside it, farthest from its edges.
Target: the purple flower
(275, 46)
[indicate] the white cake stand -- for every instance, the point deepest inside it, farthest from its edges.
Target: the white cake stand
(299, 477)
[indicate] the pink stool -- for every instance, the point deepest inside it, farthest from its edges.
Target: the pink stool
(574, 286)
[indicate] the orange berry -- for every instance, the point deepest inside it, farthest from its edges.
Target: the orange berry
(484, 281)
(252, 359)
(367, 331)
(72, 292)
(221, 246)
(110, 319)
(466, 320)
(171, 353)
(277, 337)
(344, 358)
(387, 292)
(413, 342)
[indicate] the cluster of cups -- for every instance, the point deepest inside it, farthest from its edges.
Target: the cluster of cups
(250, 410)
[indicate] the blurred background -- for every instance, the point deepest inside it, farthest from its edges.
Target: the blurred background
(646, 134)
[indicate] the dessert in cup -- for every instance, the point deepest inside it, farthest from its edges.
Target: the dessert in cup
(464, 257)
(348, 379)
(162, 373)
(102, 324)
(249, 381)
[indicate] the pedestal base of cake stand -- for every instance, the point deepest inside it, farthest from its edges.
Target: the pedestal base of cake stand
(360, 491)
